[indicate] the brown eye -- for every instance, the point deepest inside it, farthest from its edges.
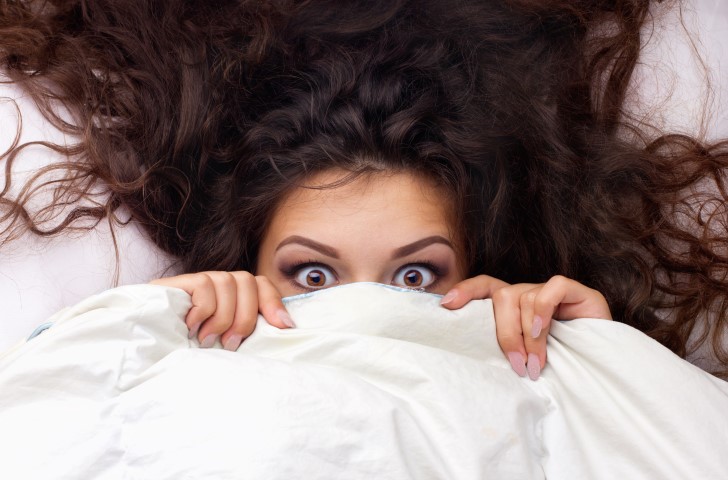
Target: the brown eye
(414, 277)
(315, 276)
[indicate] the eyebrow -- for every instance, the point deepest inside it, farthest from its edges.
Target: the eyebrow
(312, 244)
(419, 245)
(332, 252)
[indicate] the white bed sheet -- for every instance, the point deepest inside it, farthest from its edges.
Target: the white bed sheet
(375, 382)
(681, 81)
(39, 276)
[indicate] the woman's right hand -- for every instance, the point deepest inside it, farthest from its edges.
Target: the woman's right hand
(225, 305)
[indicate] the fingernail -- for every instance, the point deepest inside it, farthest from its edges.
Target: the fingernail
(233, 342)
(537, 326)
(517, 363)
(193, 331)
(286, 319)
(208, 341)
(534, 366)
(449, 297)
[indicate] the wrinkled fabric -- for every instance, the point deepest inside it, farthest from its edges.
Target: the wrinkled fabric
(374, 382)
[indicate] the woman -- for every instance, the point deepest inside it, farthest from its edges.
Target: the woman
(359, 219)
(199, 119)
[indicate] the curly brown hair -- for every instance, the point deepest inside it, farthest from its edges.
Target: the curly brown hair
(199, 116)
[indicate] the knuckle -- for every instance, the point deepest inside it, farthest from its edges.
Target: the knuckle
(246, 284)
(541, 303)
(559, 280)
(528, 298)
(227, 280)
(244, 277)
(204, 280)
(504, 295)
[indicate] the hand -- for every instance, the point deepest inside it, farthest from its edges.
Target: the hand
(225, 305)
(524, 311)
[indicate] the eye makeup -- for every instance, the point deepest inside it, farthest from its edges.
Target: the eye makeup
(291, 269)
(434, 270)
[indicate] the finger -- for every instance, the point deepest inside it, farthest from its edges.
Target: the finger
(535, 328)
(567, 299)
(508, 327)
(562, 298)
(482, 286)
(246, 311)
(202, 292)
(222, 319)
(271, 305)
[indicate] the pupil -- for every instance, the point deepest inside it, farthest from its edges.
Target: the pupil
(413, 278)
(315, 278)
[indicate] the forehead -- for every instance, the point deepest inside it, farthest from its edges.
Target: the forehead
(391, 200)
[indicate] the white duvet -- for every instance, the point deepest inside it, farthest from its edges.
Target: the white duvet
(375, 383)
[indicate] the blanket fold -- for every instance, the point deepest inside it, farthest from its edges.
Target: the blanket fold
(375, 382)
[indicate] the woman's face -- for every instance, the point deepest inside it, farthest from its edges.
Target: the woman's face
(391, 228)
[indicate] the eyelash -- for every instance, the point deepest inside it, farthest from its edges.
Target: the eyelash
(290, 271)
(437, 271)
(424, 263)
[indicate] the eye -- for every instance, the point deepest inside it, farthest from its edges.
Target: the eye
(314, 276)
(414, 276)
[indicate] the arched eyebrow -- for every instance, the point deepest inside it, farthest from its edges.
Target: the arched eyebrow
(413, 247)
(312, 244)
(329, 251)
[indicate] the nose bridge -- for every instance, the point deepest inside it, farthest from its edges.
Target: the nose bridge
(369, 277)
(370, 263)
(369, 271)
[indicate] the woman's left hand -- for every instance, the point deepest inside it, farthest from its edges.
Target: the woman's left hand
(524, 312)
